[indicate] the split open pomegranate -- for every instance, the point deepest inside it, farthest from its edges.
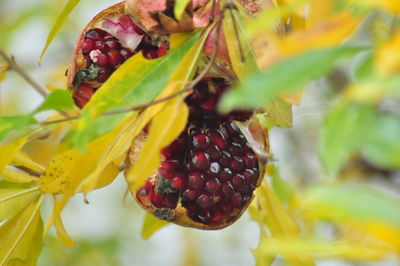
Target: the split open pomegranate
(209, 173)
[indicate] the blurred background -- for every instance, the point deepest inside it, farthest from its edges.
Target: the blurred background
(108, 229)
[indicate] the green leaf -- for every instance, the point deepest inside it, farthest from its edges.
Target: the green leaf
(380, 141)
(56, 27)
(57, 100)
(151, 225)
(283, 189)
(22, 236)
(277, 113)
(137, 81)
(341, 134)
(18, 123)
(288, 75)
(14, 197)
(180, 6)
(352, 203)
(365, 68)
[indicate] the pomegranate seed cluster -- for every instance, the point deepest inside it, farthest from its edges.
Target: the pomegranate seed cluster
(104, 53)
(210, 167)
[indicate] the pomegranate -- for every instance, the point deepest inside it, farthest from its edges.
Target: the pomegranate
(105, 43)
(209, 173)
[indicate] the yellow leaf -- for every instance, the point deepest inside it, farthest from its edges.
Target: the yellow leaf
(387, 58)
(263, 258)
(169, 118)
(278, 221)
(327, 33)
(151, 225)
(278, 113)
(8, 151)
(21, 159)
(3, 71)
(21, 237)
(17, 177)
(297, 247)
(118, 147)
(60, 21)
(62, 234)
(14, 197)
(240, 50)
(392, 6)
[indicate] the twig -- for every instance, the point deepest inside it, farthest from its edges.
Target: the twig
(193, 83)
(10, 60)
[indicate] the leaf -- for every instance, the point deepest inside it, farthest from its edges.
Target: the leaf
(57, 100)
(283, 189)
(340, 134)
(277, 113)
(23, 160)
(263, 258)
(14, 197)
(179, 8)
(21, 237)
(240, 50)
(17, 177)
(287, 75)
(3, 70)
(387, 57)
(137, 81)
(18, 123)
(9, 150)
(278, 221)
(357, 203)
(151, 225)
(169, 120)
(320, 249)
(57, 25)
(380, 141)
(62, 233)
(117, 148)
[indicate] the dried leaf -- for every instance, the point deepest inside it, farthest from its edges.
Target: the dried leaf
(179, 8)
(21, 237)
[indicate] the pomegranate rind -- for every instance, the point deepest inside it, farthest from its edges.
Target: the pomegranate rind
(179, 215)
(78, 60)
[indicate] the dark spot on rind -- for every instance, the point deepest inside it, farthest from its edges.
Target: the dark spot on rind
(165, 214)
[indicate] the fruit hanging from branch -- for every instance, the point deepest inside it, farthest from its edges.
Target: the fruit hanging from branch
(209, 172)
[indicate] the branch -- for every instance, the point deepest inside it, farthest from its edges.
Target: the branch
(10, 60)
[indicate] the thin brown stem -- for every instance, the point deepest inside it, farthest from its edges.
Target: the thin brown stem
(10, 60)
(29, 171)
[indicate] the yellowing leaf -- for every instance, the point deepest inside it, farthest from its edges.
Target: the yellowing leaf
(278, 113)
(240, 50)
(297, 247)
(179, 8)
(169, 118)
(151, 225)
(62, 234)
(387, 58)
(263, 258)
(60, 21)
(8, 151)
(21, 237)
(118, 147)
(17, 177)
(327, 33)
(278, 221)
(392, 6)
(14, 197)
(21, 159)
(3, 71)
